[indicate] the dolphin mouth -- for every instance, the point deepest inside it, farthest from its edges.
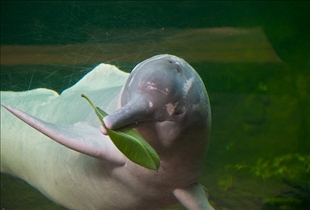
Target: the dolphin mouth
(123, 118)
(114, 124)
(121, 124)
(134, 124)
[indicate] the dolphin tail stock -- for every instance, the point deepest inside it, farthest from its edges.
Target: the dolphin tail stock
(82, 138)
(193, 197)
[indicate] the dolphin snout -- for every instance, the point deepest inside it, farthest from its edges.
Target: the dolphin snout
(133, 112)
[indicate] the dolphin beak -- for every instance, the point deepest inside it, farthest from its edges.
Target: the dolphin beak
(136, 110)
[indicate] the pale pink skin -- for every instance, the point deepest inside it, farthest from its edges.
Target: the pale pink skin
(102, 128)
(173, 115)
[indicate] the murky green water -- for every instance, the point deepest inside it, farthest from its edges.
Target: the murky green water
(253, 57)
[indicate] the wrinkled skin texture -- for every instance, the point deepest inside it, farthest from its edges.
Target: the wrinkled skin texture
(163, 99)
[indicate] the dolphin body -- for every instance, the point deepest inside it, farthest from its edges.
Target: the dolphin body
(163, 99)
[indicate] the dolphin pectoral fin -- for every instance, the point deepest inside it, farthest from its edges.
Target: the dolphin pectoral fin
(193, 197)
(82, 138)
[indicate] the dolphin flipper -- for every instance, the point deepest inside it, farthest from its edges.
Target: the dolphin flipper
(80, 137)
(193, 197)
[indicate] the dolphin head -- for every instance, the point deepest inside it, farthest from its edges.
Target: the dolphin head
(165, 100)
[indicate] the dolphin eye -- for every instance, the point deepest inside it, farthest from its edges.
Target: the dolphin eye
(179, 111)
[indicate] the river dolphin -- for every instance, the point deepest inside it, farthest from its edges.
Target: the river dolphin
(163, 99)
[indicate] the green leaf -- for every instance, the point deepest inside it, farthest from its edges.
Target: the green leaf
(130, 143)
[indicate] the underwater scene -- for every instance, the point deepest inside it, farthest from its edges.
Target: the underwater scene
(253, 58)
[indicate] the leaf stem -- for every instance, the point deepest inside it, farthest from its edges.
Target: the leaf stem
(97, 110)
(89, 101)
